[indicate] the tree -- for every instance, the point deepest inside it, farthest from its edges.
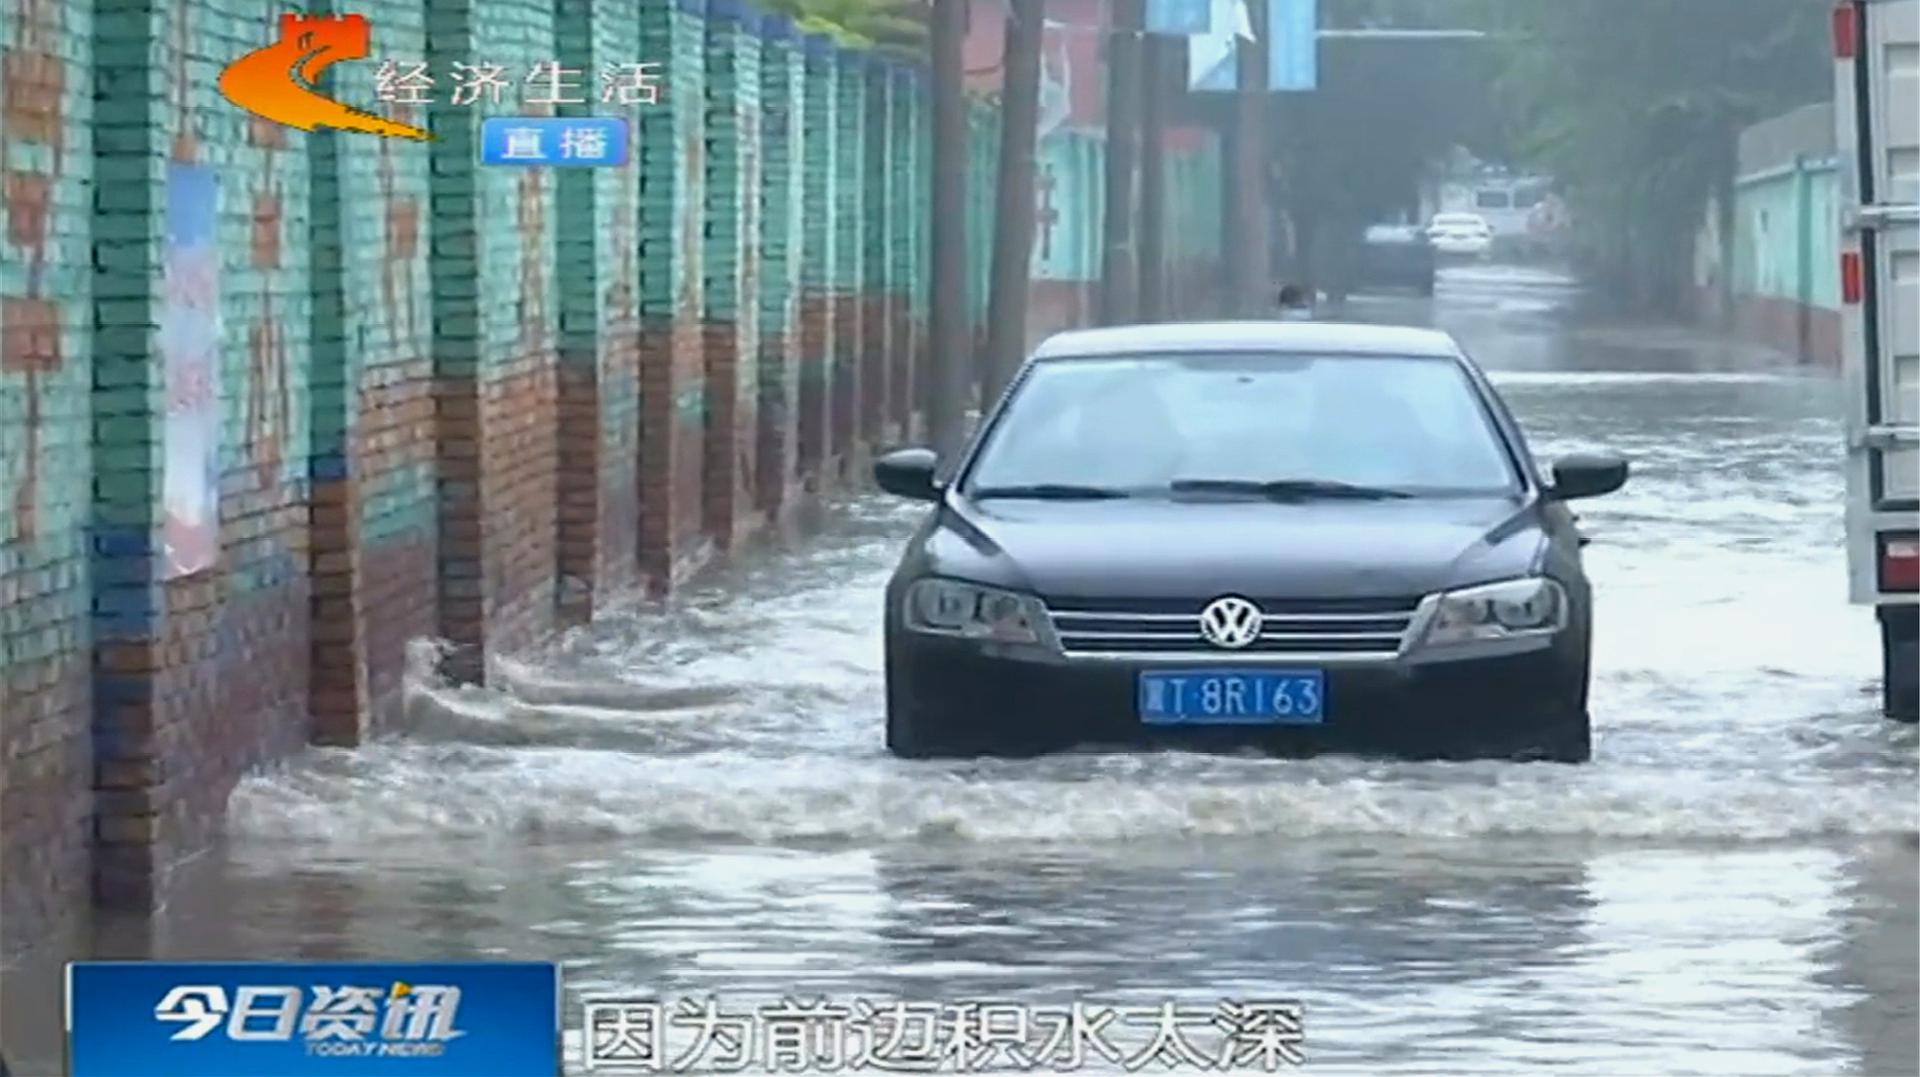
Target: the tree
(1119, 272)
(949, 376)
(1013, 206)
(1636, 107)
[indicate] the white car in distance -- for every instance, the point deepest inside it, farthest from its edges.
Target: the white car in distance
(1465, 235)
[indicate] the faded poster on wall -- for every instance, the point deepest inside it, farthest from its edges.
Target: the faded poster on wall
(190, 354)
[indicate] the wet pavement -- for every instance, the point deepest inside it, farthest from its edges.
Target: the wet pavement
(697, 800)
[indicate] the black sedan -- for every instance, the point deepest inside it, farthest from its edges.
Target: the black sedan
(1291, 536)
(1396, 256)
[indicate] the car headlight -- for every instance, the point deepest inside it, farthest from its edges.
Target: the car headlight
(952, 608)
(1515, 609)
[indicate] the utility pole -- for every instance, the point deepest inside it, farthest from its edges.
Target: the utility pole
(1119, 284)
(1156, 64)
(947, 233)
(1013, 204)
(1249, 225)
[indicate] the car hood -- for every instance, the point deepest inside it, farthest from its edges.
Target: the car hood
(1188, 549)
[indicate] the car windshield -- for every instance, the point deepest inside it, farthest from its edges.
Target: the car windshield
(1244, 424)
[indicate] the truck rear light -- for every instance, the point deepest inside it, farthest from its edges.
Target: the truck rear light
(1853, 278)
(1846, 30)
(1900, 564)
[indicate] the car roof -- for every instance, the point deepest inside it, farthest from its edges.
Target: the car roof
(1316, 338)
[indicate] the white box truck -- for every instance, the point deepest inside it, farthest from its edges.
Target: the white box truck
(1877, 107)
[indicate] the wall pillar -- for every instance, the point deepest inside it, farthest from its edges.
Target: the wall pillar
(201, 663)
(876, 316)
(597, 276)
(904, 222)
(819, 254)
(783, 85)
(849, 219)
(370, 402)
(731, 264)
(673, 398)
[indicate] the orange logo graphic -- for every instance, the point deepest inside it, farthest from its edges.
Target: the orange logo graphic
(276, 82)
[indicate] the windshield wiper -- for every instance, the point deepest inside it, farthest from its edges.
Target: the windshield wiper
(1051, 491)
(1288, 489)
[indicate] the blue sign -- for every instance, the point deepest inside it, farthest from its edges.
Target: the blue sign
(1293, 40)
(1179, 16)
(302, 1018)
(564, 141)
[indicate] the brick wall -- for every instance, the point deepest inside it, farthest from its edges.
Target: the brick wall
(849, 223)
(46, 461)
(783, 85)
(672, 150)
(452, 401)
(200, 676)
(876, 315)
(459, 401)
(730, 264)
(370, 401)
(597, 270)
(818, 255)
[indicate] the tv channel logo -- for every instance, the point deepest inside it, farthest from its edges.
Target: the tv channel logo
(293, 1019)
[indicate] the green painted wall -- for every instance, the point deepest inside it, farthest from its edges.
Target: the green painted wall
(1786, 234)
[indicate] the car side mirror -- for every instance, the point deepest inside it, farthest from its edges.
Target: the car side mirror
(1587, 475)
(908, 473)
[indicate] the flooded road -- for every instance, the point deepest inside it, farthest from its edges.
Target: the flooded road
(697, 800)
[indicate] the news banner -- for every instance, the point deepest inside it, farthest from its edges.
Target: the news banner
(508, 1019)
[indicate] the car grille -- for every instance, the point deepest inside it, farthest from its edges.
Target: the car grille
(1370, 626)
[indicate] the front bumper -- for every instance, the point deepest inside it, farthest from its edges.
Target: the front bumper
(995, 699)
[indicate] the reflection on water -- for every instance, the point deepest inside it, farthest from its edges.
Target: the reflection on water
(695, 799)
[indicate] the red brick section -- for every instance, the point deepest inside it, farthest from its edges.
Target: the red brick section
(339, 688)
(876, 329)
(35, 82)
(227, 688)
(617, 544)
(689, 452)
(48, 755)
(672, 454)
(1809, 334)
(368, 604)
(815, 319)
(776, 435)
(394, 433)
(30, 346)
(901, 351)
(599, 493)
(844, 389)
(579, 493)
(520, 463)
(724, 474)
(456, 434)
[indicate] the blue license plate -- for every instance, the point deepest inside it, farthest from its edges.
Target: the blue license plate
(1233, 697)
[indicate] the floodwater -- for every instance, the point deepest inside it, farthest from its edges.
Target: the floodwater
(696, 801)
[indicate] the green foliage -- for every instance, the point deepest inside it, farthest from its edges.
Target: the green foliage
(897, 27)
(1636, 107)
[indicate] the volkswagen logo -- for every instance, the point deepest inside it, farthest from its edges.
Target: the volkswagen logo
(1230, 622)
